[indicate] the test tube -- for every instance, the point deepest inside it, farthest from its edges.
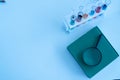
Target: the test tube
(92, 12)
(86, 11)
(79, 16)
(106, 3)
(72, 21)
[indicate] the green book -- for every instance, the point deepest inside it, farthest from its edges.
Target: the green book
(92, 51)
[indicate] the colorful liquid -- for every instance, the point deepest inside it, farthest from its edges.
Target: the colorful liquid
(85, 16)
(104, 7)
(92, 12)
(98, 9)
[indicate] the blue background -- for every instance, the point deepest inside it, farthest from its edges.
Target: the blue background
(33, 40)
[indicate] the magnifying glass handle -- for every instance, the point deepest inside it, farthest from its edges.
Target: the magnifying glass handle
(98, 41)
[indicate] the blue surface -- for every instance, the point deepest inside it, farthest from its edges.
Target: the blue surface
(33, 41)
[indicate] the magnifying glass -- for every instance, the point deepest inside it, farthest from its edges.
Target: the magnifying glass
(92, 55)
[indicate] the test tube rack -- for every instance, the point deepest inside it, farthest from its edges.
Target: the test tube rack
(85, 13)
